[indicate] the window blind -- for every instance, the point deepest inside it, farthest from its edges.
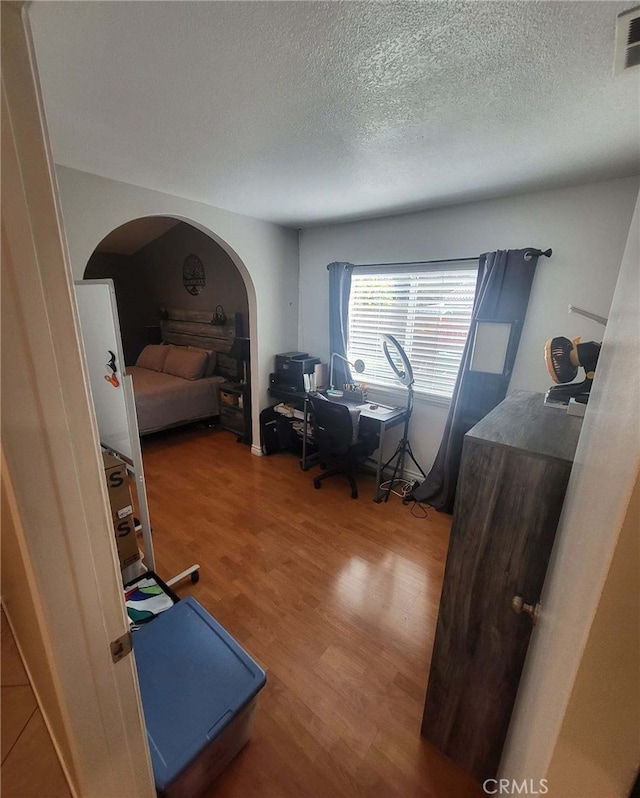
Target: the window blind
(428, 310)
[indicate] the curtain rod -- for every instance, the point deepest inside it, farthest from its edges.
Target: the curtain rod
(417, 262)
(547, 254)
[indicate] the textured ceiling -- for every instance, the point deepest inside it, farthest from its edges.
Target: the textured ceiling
(305, 112)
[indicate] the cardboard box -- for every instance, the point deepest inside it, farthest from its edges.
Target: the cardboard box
(121, 509)
(135, 570)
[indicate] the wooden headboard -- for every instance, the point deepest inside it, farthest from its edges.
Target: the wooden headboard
(194, 328)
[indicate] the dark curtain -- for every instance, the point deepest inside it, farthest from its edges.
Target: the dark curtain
(339, 291)
(502, 294)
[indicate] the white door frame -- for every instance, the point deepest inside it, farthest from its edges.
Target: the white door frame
(53, 486)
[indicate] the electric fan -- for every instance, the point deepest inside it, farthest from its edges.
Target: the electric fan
(563, 358)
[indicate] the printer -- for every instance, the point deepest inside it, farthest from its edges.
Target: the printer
(290, 368)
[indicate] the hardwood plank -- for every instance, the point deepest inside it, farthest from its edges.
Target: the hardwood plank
(337, 599)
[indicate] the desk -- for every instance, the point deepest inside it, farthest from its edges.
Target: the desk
(380, 422)
(371, 420)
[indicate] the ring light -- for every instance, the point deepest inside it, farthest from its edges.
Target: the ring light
(397, 359)
(401, 367)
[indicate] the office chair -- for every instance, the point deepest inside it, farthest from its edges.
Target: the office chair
(340, 448)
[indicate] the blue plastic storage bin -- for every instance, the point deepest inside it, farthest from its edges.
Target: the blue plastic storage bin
(199, 691)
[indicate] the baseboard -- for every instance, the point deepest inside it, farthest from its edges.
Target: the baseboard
(413, 476)
(409, 475)
(257, 450)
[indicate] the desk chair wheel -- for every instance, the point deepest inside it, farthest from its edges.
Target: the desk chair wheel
(354, 490)
(195, 577)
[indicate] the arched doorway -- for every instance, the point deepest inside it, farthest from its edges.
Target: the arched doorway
(265, 254)
(164, 262)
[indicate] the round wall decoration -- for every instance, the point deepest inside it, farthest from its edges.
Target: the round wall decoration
(193, 277)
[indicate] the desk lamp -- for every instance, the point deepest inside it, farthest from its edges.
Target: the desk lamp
(358, 366)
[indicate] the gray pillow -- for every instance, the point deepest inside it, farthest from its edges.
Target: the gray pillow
(153, 357)
(212, 359)
(185, 363)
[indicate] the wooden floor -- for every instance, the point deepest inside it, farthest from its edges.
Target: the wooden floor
(336, 599)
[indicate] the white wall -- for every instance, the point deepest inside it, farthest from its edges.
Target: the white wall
(597, 503)
(586, 226)
(265, 254)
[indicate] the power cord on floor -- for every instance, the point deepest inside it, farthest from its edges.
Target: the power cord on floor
(404, 491)
(418, 509)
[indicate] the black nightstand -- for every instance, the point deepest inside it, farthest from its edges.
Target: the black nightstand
(235, 409)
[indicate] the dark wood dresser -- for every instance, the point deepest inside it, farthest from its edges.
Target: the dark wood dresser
(514, 472)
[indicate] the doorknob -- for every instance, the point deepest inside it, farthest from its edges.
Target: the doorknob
(518, 606)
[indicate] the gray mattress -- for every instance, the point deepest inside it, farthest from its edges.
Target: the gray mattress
(163, 400)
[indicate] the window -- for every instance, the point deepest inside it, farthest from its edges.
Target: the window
(428, 309)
